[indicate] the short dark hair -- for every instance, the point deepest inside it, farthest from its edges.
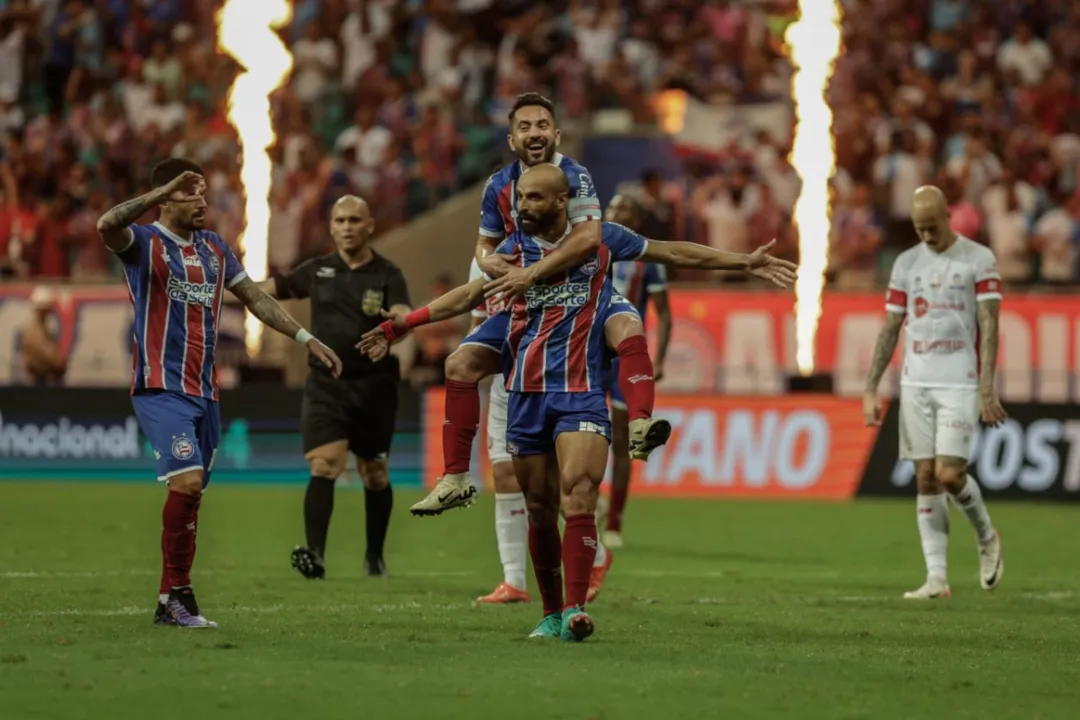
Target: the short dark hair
(531, 99)
(168, 170)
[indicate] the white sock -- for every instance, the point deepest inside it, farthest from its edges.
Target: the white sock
(163, 598)
(971, 502)
(933, 518)
(601, 555)
(512, 530)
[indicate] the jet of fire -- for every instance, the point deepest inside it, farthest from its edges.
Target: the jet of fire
(814, 44)
(245, 30)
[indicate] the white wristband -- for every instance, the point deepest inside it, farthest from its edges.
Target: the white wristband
(302, 336)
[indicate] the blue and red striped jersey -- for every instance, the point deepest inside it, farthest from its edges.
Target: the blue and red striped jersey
(176, 289)
(556, 339)
(637, 280)
(498, 209)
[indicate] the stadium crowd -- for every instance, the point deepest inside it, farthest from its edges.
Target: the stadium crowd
(405, 102)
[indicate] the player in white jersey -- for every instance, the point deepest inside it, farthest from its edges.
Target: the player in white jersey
(948, 289)
(511, 517)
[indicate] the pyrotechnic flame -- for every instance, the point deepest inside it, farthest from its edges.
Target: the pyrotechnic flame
(814, 44)
(245, 30)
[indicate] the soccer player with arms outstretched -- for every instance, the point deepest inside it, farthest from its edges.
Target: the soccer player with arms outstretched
(556, 377)
(948, 289)
(534, 138)
(177, 273)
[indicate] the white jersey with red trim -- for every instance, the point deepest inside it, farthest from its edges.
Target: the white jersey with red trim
(938, 292)
(490, 306)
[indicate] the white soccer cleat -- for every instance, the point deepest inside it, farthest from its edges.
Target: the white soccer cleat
(933, 589)
(613, 539)
(647, 434)
(450, 492)
(991, 564)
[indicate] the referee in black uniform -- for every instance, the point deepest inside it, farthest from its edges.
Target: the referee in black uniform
(348, 289)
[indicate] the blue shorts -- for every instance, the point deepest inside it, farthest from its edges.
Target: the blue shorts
(534, 420)
(183, 431)
(491, 333)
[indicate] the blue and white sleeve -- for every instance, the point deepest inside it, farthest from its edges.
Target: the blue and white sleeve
(583, 203)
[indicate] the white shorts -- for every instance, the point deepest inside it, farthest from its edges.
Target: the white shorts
(937, 422)
(496, 427)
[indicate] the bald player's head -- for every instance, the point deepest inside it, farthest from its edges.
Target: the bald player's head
(930, 216)
(542, 194)
(351, 224)
(624, 210)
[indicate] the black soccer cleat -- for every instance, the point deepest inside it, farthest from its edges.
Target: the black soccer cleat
(308, 563)
(375, 567)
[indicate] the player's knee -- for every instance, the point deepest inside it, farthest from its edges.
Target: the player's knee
(505, 480)
(322, 466)
(188, 483)
(375, 474)
(466, 364)
(543, 509)
(926, 479)
(621, 327)
(579, 491)
(951, 476)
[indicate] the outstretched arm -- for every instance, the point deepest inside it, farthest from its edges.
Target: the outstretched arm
(458, 301)
(269, 313)
(691, 255)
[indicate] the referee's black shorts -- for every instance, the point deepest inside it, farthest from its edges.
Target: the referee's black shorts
(362, 411)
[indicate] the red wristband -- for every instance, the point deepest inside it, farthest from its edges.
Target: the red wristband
(418, 317)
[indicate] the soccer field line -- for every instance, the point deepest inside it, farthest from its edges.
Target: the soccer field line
(129, 610)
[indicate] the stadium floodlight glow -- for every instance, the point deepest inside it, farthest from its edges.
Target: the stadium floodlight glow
(246, 31)
(813, 42)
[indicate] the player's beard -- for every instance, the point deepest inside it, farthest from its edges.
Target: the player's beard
(537, 224)
(543, 155)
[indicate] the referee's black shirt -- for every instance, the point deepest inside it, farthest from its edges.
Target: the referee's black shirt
(345, 304)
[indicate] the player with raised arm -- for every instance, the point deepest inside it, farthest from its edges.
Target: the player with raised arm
(534, 138)
(177, 273)
(556, 376)
(948, 289)
(640, 283)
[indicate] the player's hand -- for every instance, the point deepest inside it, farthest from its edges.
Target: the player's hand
(991, 412)
(326, 355)
(871, 409)
(497, 265)
(765, 266)
(513, 283)
(375, 343)
(185, 187)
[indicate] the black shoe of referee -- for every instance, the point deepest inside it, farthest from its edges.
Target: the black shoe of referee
(375, 566)
(308, 563)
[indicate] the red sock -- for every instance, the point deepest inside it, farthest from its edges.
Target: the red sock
(636, 377)
(178, 536)
(545, 549)
(164, 586)
(615, 508)
(462, 422)
(578, 553)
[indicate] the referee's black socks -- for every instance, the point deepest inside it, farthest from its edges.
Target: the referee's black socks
(318, 507)
(378, 505)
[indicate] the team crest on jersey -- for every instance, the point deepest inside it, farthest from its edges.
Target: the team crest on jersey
(215, 264)
(591, 267)
(182, 448)
(372, 302)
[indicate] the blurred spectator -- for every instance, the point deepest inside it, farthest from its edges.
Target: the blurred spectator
(41, 358)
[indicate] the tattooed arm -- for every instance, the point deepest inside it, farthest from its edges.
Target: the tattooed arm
(990, 410)
(883, 352)
(265, 307)
(113, 225)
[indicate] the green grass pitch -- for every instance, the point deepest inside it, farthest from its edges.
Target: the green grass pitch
(713, 610)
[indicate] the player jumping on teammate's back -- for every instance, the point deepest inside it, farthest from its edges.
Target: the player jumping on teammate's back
(948, 289)
(557, 377)
(639, 283)
(355, 413)
(534, 138)
(177, 273)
